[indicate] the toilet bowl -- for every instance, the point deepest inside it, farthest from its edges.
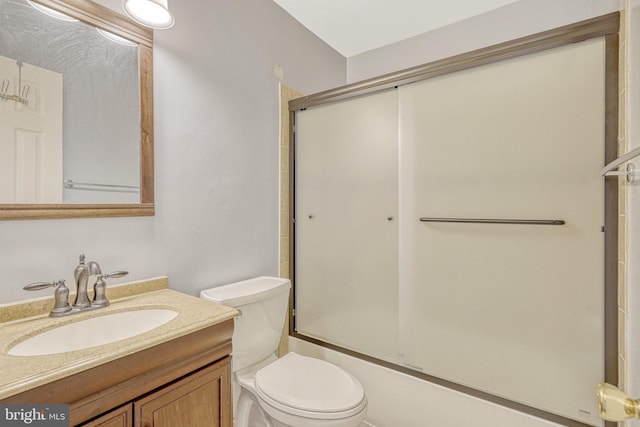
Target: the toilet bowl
(299, 391)
(291, 391)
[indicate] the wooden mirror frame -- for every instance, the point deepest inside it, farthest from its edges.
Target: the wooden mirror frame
(102, 17)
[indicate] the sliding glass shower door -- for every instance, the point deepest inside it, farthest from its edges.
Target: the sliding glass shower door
(513, 309)
(454, 227)
(346, 224)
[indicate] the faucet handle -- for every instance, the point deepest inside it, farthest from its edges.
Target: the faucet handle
(100, 287)
(37, 286)
(114, 274)
(61, 295)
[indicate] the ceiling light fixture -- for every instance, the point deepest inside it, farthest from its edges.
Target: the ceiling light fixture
(115, 38)
(150, 13)
(52, 13)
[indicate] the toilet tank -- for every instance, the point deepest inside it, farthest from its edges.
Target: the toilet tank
(262, 302)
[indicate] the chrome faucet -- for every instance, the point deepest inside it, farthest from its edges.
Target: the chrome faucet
(82, 274)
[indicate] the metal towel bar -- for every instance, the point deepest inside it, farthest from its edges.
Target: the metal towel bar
(496, 221)
(94, 186)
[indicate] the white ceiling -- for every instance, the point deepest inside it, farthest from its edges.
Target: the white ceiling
(355, 26)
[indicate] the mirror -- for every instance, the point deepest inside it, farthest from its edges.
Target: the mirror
(76, 118)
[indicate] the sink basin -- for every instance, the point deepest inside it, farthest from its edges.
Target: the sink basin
(92, 332)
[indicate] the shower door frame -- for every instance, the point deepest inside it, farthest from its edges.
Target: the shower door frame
(606, 26)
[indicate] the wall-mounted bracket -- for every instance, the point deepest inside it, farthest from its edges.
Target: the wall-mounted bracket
(629, 172)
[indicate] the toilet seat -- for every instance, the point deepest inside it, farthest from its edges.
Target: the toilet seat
(309, 388)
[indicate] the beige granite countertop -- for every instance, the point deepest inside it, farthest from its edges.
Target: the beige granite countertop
(21, 373)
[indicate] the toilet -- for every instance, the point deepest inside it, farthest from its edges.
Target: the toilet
(290, 391)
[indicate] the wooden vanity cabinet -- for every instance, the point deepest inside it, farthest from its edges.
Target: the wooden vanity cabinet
(120, 417)
(196, 400)
(185, 382)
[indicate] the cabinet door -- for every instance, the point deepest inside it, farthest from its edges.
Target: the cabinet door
(120, 417)
(201, 399)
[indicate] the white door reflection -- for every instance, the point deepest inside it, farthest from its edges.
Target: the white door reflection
(30, 133)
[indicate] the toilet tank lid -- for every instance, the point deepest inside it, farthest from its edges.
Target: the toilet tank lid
(247, 291)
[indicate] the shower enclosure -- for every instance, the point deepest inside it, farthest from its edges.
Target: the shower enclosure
(454, 226)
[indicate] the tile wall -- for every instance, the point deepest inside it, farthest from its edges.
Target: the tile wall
(286, 93)
(622, 209)
(630, 295)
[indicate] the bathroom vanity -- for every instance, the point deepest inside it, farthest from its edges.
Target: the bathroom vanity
(175, 383)
(176, 374)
